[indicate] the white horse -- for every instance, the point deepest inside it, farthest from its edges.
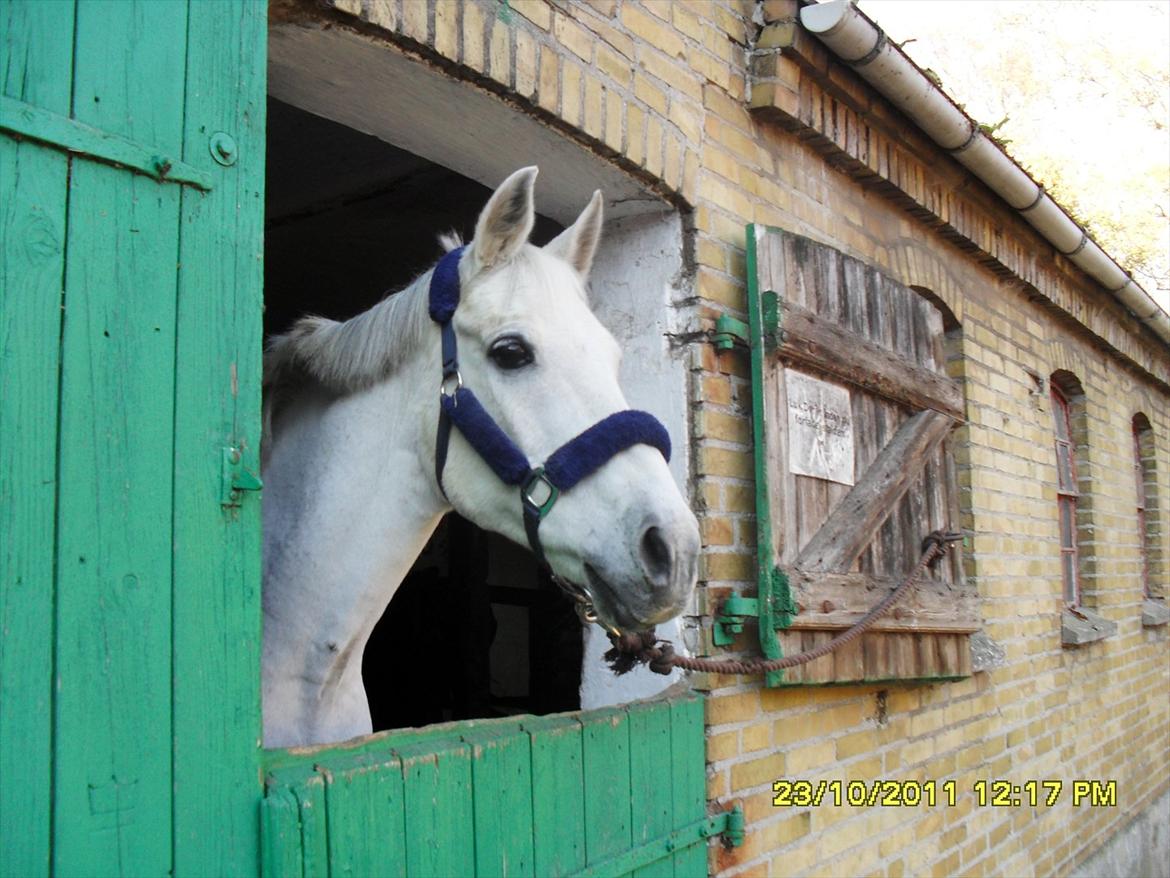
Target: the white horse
(351, 492)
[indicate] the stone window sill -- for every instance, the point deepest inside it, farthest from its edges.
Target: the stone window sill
(1154, 613)
(1081, 626)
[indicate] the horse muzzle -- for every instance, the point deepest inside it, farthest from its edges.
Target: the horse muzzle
(657, 584)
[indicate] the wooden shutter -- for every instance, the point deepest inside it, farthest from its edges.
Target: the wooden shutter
(842, 349)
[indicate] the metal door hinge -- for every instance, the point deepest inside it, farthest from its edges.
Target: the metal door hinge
(236, 478)
(736, 609)
(729, 332)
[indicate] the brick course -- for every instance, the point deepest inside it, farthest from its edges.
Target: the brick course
(666, 90)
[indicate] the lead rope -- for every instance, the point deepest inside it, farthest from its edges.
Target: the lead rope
(645, 647)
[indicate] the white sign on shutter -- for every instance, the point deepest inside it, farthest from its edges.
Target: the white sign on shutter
(820, 428)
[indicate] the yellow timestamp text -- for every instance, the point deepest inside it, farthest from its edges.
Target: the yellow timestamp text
(930, 793)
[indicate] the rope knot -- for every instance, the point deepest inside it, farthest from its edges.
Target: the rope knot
(635, 648)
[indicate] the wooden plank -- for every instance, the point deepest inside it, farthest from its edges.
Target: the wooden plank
(810, 340)
(280, 835)
(605, 746)
(217, 404)
(948, 654)
(438, 798)
(928, 657)
(781, 486)
(558, 805)
(852, 524)
(689, 755)
(112, 783)
(834, 601)
(366, 815)
(27, 121)
(849, 661)
(651, 781)
(314, 822)
(501, 771)
(39, 42)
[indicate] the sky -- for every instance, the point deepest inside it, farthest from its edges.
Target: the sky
(1084, 86)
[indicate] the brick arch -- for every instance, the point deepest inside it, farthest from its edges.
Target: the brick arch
(919, 267)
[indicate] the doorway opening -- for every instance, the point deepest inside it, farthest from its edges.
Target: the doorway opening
(372, 155)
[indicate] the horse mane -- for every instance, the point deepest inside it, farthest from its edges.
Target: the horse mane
(347, 356)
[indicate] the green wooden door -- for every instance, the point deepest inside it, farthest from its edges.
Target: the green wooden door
(610, 792)
(130, 302)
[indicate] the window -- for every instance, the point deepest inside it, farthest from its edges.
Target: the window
(1066, 497)
(1079, 623)
(1139, 476)
(1151, 570)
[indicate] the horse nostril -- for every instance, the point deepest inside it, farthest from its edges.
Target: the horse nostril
(657, 557)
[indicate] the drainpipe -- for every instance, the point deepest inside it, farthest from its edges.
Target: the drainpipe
(855, 39)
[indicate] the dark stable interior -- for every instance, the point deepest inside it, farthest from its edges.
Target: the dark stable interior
(476, 629)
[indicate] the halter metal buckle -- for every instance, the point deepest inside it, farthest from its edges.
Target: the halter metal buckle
(538, 492)
(446, 382)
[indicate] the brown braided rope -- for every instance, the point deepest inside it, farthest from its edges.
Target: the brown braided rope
(645, 647)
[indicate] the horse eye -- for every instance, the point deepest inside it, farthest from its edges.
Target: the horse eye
(511, 352)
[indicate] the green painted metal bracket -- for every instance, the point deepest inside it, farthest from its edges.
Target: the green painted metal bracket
(21, 120)
(236, 479)
(731, 617)
(729, 332)
(729, 824)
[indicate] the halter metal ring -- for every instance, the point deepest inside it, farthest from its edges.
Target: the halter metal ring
(538, 492)
(446, 382)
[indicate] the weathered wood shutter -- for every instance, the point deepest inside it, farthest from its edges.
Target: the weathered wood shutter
(608, 792)
(130, 304)
(853, 413)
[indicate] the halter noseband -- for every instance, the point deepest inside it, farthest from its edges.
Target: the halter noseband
(540, 486)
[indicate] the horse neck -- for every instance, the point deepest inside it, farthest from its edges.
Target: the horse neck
(350, 501)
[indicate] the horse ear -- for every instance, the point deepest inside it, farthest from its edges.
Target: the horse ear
(578, 243)
(506, 220)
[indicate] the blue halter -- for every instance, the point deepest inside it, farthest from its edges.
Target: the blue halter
(541, 485)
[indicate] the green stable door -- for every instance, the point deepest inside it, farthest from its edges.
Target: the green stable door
(132, 143)
(132, 170)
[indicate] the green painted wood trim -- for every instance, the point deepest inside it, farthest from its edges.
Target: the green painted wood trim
(38, 65)
(21, 120)
(216, 552)
(113, 786)
(685, 837)
(770, 603)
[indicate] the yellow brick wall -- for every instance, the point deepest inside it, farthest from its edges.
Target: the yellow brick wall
(662, 89)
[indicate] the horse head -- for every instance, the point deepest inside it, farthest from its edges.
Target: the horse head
(545, 370)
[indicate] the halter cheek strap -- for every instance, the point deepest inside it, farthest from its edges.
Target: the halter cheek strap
(540, 486)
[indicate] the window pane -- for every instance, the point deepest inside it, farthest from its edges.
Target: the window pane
(1067, 524)
(1064, 467)
(1069, 561)
(1060, 417)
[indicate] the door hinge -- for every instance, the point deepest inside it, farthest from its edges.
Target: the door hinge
(728, 824)
(737, 609)
(729, 332)
(236, 478)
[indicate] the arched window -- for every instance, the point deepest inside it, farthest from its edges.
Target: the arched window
(1143, 472)
(1067, 493)
(1150, 521)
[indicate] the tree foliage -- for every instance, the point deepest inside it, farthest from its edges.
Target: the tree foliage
(1078, 91)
